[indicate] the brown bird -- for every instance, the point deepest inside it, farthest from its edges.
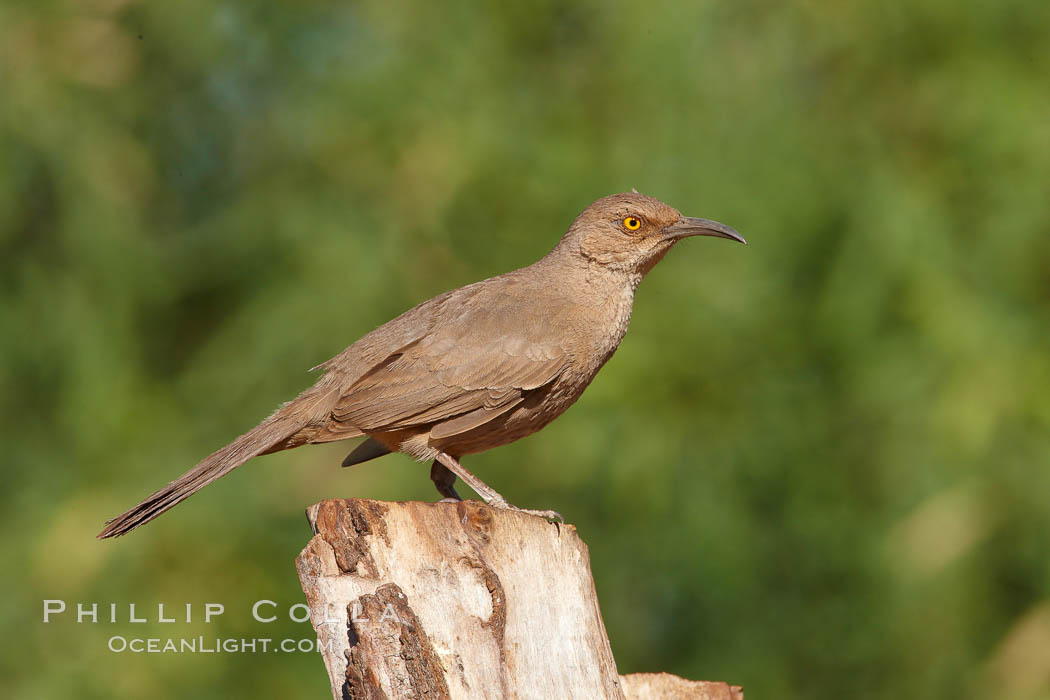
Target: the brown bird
(474, 368)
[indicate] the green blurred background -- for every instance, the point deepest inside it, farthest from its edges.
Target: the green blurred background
(817, 466)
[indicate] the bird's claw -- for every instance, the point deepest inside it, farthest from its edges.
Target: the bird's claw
(548, 514)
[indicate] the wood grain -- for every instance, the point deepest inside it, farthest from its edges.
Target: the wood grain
(460, 600)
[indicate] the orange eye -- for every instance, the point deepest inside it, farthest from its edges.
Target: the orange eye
(632, 223)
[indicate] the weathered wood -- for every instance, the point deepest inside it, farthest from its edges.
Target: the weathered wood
(459, 600)
(665, 686)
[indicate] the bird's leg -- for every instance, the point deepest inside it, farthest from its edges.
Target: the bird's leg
(487, 493)
(444, 480)
(453, 467)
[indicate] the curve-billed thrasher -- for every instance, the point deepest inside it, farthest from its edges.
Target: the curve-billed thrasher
(474, 368)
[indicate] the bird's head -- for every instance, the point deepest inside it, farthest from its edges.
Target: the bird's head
(631, 232)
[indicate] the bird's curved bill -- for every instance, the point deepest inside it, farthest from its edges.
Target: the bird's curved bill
(689, 226)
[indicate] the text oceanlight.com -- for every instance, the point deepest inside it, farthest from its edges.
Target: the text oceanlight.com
(205, 645)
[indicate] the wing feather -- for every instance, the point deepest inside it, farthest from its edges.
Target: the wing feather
(469, 365)
(421, 389)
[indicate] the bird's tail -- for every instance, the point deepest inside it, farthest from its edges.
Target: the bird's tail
(269, 434)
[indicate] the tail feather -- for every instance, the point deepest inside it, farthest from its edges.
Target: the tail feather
(256, 441)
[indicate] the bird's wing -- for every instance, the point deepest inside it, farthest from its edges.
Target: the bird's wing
(470, 368)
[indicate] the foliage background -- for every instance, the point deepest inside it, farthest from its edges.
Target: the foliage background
(817, 466)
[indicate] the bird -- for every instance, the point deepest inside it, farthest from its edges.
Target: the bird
(474, 368)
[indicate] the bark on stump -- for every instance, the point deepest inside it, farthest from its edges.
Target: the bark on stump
(459, 600)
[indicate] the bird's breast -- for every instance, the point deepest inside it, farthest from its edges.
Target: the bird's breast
(594, 335)
(610, 316)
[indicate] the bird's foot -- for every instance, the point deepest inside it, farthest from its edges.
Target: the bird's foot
(548, 514)
(445, 470)
(501, 503)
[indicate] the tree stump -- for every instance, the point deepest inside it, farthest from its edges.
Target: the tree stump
(459, 600)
